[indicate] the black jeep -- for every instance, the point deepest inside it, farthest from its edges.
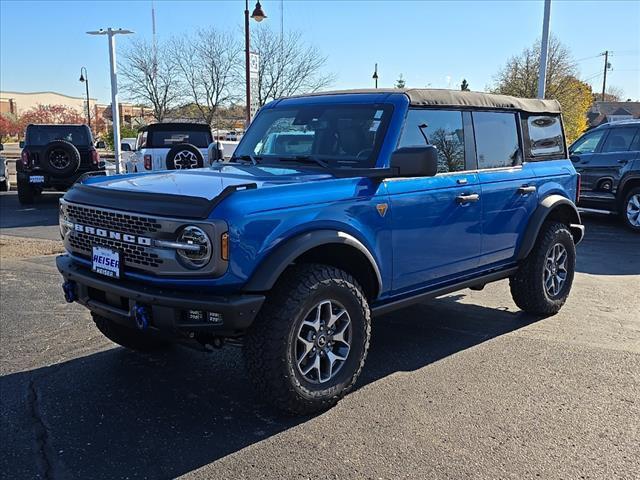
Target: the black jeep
(54, 156)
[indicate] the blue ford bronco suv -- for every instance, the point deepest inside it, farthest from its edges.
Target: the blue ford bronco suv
(335, 208)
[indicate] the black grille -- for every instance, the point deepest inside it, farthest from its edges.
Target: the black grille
(133, 255)
(121, 222)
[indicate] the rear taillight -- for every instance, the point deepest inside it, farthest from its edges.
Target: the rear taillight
(24, 157)
(95, 158)
(579, 187)
(147, 162)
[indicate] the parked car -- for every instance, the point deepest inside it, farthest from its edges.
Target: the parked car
(5, 182)
(170, 146)
(368, 202)
(608, 160)
(54, 156)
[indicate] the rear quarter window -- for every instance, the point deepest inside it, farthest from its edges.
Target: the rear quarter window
(544, 139)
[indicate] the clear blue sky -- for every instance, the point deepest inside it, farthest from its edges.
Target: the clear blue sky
(43, 43)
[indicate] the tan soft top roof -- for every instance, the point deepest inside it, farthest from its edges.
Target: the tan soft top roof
(456, 98)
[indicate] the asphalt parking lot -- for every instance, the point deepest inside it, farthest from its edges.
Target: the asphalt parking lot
(464, 386)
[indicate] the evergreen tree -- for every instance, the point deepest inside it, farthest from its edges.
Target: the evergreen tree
(464, 86)
(400, 83)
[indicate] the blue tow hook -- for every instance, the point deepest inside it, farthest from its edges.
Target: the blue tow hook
(141, 317)
(69, 289)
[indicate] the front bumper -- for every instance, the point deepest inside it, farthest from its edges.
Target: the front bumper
(118, 299)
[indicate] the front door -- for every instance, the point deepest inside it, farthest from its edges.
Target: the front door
(436, 221)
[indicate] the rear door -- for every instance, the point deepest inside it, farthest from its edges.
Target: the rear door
(436, 220)
(508, 187)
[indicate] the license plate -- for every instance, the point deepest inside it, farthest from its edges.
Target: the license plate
(36, 179)
(106, 261)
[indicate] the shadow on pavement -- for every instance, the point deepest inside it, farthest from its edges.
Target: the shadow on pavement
(608, 247)
(43, 212)
(116, 414)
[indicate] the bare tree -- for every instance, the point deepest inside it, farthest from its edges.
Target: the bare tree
(288, 66)
(149, 78)
(208, 64)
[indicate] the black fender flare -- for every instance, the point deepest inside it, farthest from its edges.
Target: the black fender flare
(545, 208)
(270, 269)
(630, 177)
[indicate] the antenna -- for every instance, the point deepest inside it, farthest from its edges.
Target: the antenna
(155, 41)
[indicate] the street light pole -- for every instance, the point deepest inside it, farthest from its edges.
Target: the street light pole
(85, 79)
(544, 48)
(258, 15)
(115, 110)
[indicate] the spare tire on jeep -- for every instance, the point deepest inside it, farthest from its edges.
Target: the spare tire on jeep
(61, 158)
(184, 156)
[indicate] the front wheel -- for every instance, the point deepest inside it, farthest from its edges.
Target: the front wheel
(307, 346)
(631, 209)
(543, 282)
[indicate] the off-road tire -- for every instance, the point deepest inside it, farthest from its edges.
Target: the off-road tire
(190, 149)
(623, 209)
(5, 186)
(270, 342)
(129, 337)
(61, 147)
(26, 193)
(527, 285)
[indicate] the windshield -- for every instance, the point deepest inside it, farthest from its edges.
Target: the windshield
(340, 135)
(43, 134)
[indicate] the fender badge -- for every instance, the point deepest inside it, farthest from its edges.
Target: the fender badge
(382, 209)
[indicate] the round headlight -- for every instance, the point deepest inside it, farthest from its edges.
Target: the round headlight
(195, 257)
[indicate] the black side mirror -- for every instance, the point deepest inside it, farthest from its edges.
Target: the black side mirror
(215, 152)
(100, 144)
(21, 143)
(1, 147)
(415, 161)
(125, 147)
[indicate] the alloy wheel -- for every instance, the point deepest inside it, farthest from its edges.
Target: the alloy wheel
(633, 210)
(555, 269)
(59, 159)
(323, 341)
(185, 159)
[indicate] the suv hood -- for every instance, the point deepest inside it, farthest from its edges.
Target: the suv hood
(185, 193)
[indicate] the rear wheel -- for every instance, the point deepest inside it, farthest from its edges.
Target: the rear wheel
(308, 344)
(26, 193)
(543, 282)
(128, 337)
(631, 209)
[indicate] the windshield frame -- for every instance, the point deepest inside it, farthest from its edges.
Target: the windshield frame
(288, 160)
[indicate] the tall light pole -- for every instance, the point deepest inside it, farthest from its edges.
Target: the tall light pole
(258, 15)
(84, 78)
(115, 111)
(544, 48)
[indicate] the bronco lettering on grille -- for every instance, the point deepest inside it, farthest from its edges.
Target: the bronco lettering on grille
(101, 232)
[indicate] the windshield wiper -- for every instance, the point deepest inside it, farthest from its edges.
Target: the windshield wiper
(254, 159)
(307, 159)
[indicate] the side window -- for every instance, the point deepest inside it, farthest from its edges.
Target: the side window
(544, 136)
(635, 145)
(443, 129)
(619, 140)
(587, 143)
(497, 142)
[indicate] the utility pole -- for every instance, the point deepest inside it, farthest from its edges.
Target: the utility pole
(544, 48)
(606, 67)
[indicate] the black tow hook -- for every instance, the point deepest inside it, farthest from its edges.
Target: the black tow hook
(70, 291)
(142, 315)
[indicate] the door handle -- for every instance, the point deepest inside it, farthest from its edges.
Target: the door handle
(526, 189)
(470, 198)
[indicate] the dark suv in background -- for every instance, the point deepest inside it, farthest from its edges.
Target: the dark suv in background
(608, 160)
(54, 156)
